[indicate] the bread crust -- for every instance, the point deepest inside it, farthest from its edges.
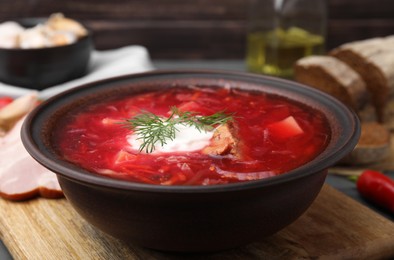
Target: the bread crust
(373, 60)
(333, 77)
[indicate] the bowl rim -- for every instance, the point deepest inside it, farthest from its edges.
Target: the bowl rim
(71, 172)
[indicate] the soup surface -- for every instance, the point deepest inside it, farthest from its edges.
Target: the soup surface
(270, 135)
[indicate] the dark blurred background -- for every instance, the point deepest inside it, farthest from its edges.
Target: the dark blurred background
(195, 29)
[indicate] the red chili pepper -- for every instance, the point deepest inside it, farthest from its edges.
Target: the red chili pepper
(377, 187)
(5, 101)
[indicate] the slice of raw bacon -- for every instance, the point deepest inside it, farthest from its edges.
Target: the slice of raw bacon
(21, 177)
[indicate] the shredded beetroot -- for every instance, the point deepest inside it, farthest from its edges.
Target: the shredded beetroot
(93, 138)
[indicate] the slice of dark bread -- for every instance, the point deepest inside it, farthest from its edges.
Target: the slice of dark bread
(373, 146)
(333, 77)
(373, 59)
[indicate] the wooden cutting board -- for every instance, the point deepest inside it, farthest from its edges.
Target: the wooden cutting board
(334, 227)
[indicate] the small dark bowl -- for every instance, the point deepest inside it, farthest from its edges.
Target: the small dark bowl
(190, 218)
(44, 67)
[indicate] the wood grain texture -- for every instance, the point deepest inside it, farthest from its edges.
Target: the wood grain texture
(196, 29)
(335, 227)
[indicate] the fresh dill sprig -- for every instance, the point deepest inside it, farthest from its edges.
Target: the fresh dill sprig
(152, 129)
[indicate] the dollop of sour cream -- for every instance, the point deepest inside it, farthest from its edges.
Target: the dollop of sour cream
(187, 139)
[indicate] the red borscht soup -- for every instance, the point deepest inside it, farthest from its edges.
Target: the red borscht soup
(266, 135)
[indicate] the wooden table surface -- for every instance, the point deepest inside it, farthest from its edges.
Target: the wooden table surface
(334, 227)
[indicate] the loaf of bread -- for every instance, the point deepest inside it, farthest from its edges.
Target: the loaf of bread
(373, 60)
(361, 75)
(333, 77)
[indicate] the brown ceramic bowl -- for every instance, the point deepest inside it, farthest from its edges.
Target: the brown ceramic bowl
(44, 67)
(190, 218)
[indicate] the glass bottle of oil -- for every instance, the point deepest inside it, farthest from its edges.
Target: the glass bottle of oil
(282, 31)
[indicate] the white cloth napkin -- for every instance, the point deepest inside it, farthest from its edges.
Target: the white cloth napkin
(103, 64)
